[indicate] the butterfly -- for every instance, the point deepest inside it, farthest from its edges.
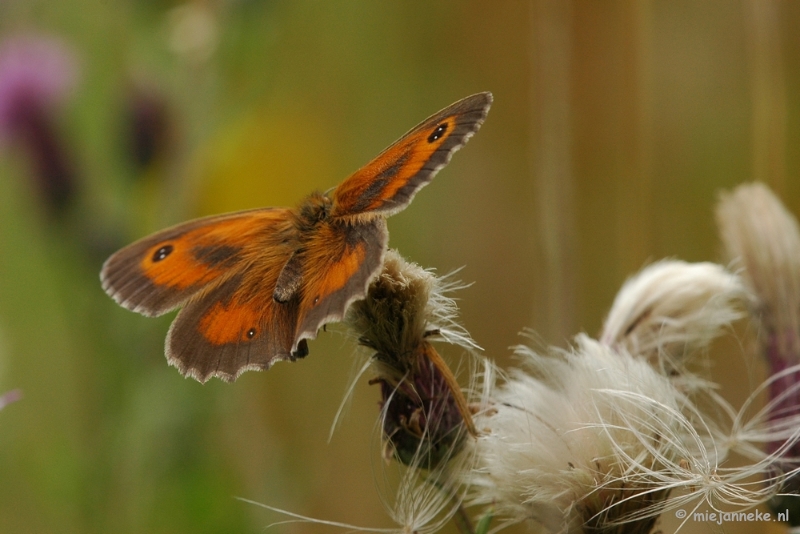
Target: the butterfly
(253, 286)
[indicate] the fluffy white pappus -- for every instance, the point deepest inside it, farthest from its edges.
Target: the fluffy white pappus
(760, 234)
(768, 423)
(673, 308)
(597, 440)
(561, 448)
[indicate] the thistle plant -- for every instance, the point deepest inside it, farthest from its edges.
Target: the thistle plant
(763, 238)
(425, 418)
(425, 415)
(607, 435)
(597, 438)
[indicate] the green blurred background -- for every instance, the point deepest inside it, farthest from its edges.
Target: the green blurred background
(615, 125)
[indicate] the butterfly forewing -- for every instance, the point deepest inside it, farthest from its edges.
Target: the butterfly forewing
(160, 272)
(389, 182)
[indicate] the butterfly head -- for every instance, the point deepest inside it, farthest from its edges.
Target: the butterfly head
(314, 210)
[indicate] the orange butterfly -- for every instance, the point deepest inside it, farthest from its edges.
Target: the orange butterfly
(255, 285)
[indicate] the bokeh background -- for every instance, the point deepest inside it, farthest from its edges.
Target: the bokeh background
(615, 126)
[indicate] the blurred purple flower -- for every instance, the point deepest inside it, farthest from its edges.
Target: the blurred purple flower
(34, 69)
(37, 73)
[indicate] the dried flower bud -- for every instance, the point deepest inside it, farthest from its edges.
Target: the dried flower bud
(421, 418)
(425, 414)
(758, 232)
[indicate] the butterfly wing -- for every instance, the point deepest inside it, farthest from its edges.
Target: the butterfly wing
(162, 271)
(236, 327)
(346, 253)
(388, 183)
(217, 268)
(339, 263)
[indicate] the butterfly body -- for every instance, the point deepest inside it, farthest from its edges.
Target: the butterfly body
(255, 285)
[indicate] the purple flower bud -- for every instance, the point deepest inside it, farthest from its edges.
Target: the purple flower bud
(421, 418)
(37, 74)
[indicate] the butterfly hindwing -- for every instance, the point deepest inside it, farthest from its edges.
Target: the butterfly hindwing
(338, 273)
(389, 182)
(232, 329)
(160, 272)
